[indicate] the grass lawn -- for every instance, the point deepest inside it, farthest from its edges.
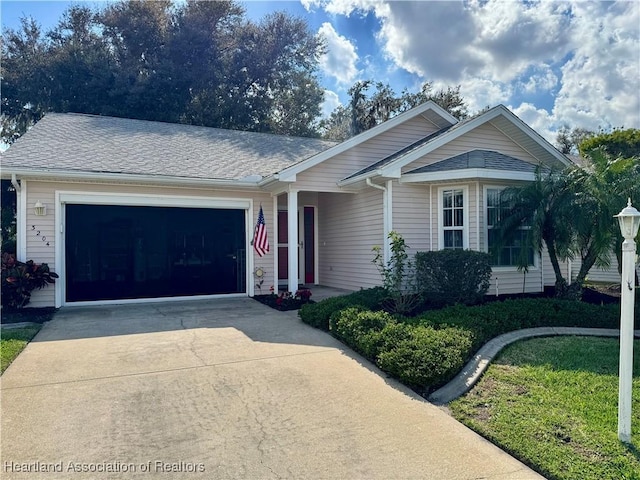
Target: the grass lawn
(13, 341)
(552, 403)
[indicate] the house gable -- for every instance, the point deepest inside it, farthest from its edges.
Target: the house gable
(388, 138)
(496, 126)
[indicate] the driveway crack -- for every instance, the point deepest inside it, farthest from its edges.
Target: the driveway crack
(192, 343)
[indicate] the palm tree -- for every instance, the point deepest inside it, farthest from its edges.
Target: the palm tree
(545, 208)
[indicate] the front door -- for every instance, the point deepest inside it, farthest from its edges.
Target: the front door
(306, 245)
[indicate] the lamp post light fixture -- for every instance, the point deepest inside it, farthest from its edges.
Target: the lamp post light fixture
(629, 219)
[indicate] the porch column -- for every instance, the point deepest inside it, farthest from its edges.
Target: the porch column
(292, 240)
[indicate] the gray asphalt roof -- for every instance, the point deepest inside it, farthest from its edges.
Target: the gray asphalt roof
(478, 159)
(90, 143)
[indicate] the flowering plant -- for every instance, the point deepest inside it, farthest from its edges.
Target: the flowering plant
(285, 300)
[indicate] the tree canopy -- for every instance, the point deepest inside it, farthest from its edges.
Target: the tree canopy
(197, 62)
(366, 110)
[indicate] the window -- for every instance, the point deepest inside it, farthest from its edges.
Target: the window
(453, 219)
(509, 254)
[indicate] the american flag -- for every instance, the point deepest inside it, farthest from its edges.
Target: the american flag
(260, 237)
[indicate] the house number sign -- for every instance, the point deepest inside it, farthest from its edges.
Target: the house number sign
(42, 237)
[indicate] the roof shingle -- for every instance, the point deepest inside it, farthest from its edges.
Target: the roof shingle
(478, 159)
(90, 143)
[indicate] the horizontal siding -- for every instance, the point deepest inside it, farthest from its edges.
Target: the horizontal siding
(323, 177)
(411, 214)
(349, 227)
(484, 137)
(597, 274)
(45, 193)
(513, 282)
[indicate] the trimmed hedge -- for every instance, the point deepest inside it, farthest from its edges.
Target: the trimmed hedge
(453, 276)
(422, 357)
(428, 351)
(318, 314)
(495, 318)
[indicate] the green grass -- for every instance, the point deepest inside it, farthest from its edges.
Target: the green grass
(552, 402)
(13, 342)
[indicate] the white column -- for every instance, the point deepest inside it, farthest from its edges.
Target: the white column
(292, 215)
(626, 340)
(274, 244)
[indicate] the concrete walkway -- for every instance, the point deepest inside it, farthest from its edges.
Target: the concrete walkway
(224, 389)
(473, 370)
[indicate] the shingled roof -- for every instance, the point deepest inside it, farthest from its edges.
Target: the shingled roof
(90, 143)
(478, 159)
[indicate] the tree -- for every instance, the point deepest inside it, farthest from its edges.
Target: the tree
(366, 111)
(546, 207)
(196, 62)
(567, 140)
(614, 158)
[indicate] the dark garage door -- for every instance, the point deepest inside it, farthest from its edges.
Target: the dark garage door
(125, 252)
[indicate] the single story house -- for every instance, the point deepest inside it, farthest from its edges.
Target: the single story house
(131, 210)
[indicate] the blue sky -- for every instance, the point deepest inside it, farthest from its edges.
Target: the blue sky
(552, 63)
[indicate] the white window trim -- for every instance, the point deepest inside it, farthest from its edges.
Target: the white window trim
(465, 215)
(485, 230)
(149, 200)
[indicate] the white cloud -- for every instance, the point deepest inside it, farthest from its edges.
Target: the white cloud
(542, 79)
(341, 57)
(582, 59)
(538, 119)
(601, 82)
(330, 103)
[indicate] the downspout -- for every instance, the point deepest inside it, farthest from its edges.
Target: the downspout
(430, 218)
(21, 230)
(386, 218)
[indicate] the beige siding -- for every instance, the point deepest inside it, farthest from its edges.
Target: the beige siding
(45, 192)
(411, 214)
(349, 227)
(323, 177)
(510, 281)
(597, 274)
(484, 137)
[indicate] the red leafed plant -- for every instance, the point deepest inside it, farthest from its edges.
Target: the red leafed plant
(19, 279)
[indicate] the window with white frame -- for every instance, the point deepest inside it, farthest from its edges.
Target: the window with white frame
(453, 218)
(509, 254)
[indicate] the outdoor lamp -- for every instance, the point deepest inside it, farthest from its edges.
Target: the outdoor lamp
(629, 219)
(39, 209)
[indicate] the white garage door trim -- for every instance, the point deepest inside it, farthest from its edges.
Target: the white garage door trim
(133, 199)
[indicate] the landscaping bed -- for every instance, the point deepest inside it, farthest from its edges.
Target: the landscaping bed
(427, 351)
(285, 301)
(34, 315)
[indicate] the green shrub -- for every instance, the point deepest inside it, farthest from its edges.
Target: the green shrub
(453, 276)
(428, 358)
(495, 318)
(318, 314)
(19, 279)
(398, 277)
(360, 328)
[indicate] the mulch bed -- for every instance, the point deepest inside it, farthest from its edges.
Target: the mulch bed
(284, 305)
(34, 315)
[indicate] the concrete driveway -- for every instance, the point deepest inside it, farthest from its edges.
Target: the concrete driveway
(220, 389)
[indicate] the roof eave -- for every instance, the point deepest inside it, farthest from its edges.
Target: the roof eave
(467, 174)
(59, 174)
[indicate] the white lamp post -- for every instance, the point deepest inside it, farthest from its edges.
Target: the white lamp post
(629, 219)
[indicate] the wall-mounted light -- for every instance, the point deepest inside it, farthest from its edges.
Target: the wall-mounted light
(39, 209)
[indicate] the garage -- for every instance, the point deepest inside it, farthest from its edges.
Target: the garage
(118, 252)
